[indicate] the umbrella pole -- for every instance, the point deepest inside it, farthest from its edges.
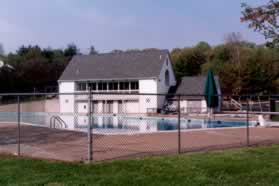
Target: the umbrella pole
(210, 113)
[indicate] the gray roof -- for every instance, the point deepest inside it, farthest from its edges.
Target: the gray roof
(194, 85)
(125, 65)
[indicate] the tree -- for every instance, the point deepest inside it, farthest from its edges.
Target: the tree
(133, 50)
(92, 50)
(34, 67)
(150, 49)
(117, 51)
(1, 49)
(23, 50)
(219, 60)
(175, 54)
(188, 62)
(71, 50)
(233, 42)
(48, 53)
(203, 46)
(263, 19)
(260, 72)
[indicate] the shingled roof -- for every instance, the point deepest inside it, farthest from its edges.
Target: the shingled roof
(194, 85)
(124, 65)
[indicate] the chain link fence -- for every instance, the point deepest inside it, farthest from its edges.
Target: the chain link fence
(95, 126)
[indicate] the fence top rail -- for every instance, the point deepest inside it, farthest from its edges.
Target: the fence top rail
(134, 93)
(101, 93)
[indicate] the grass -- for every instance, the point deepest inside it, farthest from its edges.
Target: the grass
(254, 166)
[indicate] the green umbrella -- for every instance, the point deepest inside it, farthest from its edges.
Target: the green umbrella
(210, 91)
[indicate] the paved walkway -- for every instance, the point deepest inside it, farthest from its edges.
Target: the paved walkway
(56, 144)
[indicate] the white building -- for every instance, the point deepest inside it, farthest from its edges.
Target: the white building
(132, 72)
(193, 99)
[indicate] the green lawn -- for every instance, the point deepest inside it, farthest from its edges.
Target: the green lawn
(255, 166)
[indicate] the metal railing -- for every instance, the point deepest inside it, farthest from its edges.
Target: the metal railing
(236, 104)
(53, 123)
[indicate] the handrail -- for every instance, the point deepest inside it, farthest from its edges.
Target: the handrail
(236, 104)
(52, 122)
(61, 122)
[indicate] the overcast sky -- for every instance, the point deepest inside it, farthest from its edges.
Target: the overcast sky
(120, 24)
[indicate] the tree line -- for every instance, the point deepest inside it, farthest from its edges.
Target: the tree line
(32, 68)
(243, 67)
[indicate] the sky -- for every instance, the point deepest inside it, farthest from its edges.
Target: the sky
(120, 24)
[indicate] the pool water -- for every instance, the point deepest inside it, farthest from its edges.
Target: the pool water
(147, 125)
(118, 124)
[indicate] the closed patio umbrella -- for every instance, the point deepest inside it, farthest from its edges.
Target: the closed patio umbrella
(211, 93)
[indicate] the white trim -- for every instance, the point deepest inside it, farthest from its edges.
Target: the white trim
(113, 79)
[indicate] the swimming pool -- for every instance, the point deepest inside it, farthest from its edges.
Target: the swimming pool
(115, 124)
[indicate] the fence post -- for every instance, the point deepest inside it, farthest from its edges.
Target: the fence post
(179, 125)
(90, 153)
(18, 126)
(247, 123)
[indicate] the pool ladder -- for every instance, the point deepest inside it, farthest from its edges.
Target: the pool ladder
(57, 122)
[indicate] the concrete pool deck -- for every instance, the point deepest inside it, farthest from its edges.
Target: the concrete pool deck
(45, 143)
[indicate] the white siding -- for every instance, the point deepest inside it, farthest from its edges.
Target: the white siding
(82, 107)
(156, 87)
(140, 104)
(193, 105)
(146, 101)
(204, 106)
(162, 88)
(115, 107)
(66, 102)
(100, 107)
(183, 104)
(161, 85)
(148, 86)
(131, 107)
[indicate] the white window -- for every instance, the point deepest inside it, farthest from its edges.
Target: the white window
(100, 86)
(93, 86)
(121, 86)
(135, 85)
(105, 86)
(124, 85)
(115, 86)
(110, 86)
(81, 86)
